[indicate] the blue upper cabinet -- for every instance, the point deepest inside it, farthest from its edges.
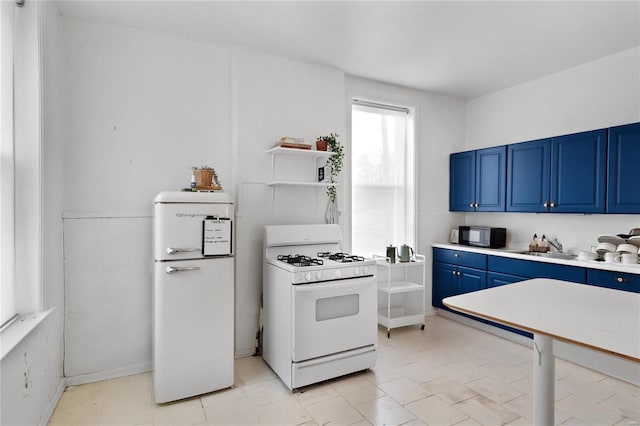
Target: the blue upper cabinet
(623, 184)
(579, 172)
(462, 171)
(477, 180)
(565, 174)
(528, 173)
(491, 164)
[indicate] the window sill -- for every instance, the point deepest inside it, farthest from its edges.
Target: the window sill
(17, 330)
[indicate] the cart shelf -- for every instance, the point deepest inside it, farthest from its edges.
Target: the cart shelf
(400, 292)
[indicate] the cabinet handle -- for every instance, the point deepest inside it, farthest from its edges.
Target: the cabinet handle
(553, 204)
(459, 273)
(456, 255)
(622, 280)
(471, 205)
(476, 205)
(453, 272)
(545, 204)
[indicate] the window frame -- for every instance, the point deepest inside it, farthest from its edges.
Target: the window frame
(411, 160)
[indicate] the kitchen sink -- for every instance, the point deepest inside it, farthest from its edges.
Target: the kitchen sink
(565, 256)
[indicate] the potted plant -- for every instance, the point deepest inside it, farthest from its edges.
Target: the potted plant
(335, 166)
(203, 174)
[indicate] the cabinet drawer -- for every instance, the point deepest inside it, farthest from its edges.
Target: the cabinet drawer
(461, 258)
(614, 280)
(532, 269)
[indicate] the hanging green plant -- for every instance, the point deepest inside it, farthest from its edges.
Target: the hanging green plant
(334, 162)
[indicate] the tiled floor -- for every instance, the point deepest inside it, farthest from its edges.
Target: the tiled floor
(448, 374)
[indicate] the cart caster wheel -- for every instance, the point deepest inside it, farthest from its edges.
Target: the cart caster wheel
(422, 328)
(388, 334)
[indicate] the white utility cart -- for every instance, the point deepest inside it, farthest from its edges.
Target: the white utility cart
(400, 292)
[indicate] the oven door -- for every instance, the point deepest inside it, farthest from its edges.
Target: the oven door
(333, 316)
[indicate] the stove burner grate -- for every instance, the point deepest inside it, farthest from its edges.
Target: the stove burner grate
(299, 260)
(340, 257)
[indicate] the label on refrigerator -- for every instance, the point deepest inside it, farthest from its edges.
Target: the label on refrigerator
(216, 236)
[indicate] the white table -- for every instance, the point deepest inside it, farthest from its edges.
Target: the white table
(594, 317)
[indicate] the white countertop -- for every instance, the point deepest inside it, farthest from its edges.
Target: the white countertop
(605, 320)
(513, 253)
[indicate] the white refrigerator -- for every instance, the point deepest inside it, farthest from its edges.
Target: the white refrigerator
(193, 294)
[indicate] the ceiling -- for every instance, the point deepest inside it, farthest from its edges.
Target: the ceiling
(459, 48)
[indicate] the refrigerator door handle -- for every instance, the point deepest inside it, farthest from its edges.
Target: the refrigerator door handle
(172, 250)
(173, 269)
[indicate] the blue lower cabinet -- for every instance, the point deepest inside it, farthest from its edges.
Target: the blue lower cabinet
(534, 269)
(444, 283)
(614, 280)
(495, 279)
(470, 279)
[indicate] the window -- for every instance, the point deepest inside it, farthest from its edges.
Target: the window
(7, 246)
(382, 178)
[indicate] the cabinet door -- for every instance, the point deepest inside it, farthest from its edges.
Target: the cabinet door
(490, 191)
(462, 171)
(495, 279)
(528, 168)
(614, 280)
(444, 283)
(471, 280)
(623, 184)
(578, 172)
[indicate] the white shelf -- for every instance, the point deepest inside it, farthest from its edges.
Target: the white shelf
(399, 318)
(305, 184)
(299, 152)
(400, 287)
(307, 153)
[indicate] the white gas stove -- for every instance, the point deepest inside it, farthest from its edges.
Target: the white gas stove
(319, 305)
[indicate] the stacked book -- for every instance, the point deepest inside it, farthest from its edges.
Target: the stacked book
(289, 142)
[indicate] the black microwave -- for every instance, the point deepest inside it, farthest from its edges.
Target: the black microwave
(482, 236)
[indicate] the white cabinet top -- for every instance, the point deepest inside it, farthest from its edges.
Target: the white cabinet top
(516, 254)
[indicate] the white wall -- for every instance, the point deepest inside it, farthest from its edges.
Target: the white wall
(599, 94)
(275, 97)
(32, 371)
(440, 124)
(139, 111)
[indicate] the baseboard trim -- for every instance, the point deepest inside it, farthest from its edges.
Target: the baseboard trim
(108, 374)
(53, 403)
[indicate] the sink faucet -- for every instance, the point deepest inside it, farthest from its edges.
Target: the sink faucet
(556, 245)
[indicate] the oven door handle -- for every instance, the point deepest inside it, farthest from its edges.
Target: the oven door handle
(361, 282)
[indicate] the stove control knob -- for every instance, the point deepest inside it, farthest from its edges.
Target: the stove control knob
(338, 274)
(356, 271)
(307, 276)
(318, 275)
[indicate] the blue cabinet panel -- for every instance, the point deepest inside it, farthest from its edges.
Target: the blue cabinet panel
(623, 183)
(495, 279)
(444, 283)
(491, 179)
(534, 269)
(578, 172)
(461, 258)
(471, 279)
(462, 170)
(528, 174)
(615, 280)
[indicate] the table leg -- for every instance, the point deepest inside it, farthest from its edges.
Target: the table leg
(543, 380)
